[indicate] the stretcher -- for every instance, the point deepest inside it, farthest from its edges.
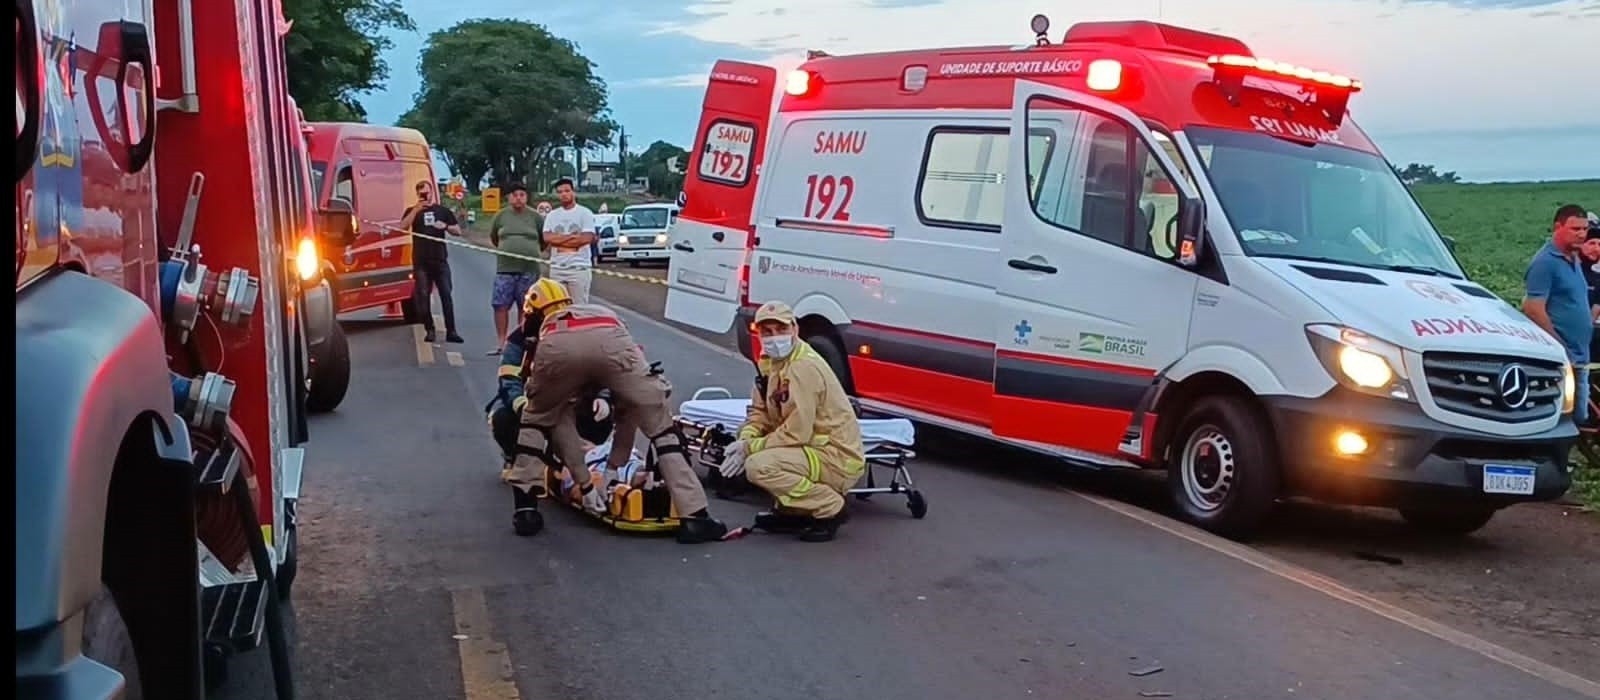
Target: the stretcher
(643, 509)
(710, 421)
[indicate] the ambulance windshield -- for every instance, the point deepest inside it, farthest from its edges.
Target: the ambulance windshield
(1326, 203)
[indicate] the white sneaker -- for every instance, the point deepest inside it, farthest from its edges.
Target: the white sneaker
(598, 499)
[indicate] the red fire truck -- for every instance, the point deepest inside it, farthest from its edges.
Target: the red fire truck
(167, 295)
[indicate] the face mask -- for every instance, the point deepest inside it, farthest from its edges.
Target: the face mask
(777, 345)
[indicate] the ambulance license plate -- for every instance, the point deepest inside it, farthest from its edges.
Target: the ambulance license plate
(1503, 478)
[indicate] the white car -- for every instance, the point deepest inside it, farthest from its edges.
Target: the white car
(643, 232)
(605, 226)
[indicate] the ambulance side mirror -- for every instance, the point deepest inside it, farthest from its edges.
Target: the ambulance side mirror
(337, 222)
(1191, 231)
(1450, 243)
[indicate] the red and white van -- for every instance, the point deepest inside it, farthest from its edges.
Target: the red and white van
(374, 170)
(1195, 262)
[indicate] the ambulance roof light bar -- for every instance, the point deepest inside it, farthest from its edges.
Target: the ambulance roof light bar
(1329, 92)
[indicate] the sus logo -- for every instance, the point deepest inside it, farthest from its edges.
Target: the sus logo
(1435, 292)
(764, 264)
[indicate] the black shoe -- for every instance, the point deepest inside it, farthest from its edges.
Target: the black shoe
(824, 529)
(782, 523)
(453, 338)
(698, 529)
(429, 337)
(525, 519)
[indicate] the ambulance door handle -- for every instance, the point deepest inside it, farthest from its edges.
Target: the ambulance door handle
(684, 246)
(717, 236)
(1031, 266)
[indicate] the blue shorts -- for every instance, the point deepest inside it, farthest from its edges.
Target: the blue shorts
(510, 288)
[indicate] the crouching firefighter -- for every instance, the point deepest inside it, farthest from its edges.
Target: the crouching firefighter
(801, 441)
(593, 407)
(581, 345)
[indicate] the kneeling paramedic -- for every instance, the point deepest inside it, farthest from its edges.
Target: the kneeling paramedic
(581, 345)
(801, 441)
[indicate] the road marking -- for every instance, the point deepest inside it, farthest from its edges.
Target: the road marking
(1268, 563)
(1338, 591)
(455, 359)
(697, 340)
(424, 349)
(485, 663)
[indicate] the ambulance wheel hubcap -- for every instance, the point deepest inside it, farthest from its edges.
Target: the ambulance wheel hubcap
(1208, 468)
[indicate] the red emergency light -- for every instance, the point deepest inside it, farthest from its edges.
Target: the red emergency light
(1329, 92)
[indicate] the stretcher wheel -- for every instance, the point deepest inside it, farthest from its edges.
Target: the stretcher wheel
(917, 504)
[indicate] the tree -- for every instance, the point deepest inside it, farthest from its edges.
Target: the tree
(1420, 174)
(653, 164)
(499, 96)
(334, 52)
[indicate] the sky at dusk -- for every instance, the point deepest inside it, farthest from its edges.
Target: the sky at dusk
(1493, 89)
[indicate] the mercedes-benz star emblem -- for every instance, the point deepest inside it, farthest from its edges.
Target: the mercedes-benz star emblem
(1513, 386)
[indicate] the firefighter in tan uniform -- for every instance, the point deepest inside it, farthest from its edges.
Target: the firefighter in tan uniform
(801, 441)
(583, 345)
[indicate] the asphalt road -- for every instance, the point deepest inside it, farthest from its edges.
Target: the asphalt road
(412, 585)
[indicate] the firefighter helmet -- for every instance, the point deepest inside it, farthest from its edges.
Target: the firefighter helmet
(543, 295)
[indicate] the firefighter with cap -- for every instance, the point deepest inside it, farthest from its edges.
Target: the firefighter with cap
(801, 441)
(583, 345)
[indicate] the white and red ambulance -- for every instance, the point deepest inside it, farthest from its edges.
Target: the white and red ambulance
(1194, 262)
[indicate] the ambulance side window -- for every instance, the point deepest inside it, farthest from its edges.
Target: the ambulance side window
(962, 183)
(1113, 188)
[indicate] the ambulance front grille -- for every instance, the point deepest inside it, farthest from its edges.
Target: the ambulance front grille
(1471, 385)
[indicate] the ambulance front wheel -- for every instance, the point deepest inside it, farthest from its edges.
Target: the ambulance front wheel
(1221, 470)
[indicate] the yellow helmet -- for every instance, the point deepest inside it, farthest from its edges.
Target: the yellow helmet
(544, 294)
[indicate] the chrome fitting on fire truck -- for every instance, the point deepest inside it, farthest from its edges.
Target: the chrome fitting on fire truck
(203, 401)
(188, 288)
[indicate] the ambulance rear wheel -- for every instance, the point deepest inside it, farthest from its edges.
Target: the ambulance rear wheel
(408, 311)
(834, 355)
(1222, 473)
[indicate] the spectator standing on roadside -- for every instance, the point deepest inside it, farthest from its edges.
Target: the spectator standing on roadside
(516, 230)
(568, 231)
(427, 220)
(1558, 295)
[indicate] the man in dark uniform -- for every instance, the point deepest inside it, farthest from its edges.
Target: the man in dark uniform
(428, 220)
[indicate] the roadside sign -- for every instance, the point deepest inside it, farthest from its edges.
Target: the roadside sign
(491, 200)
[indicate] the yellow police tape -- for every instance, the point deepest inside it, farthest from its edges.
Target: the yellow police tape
(492, 251)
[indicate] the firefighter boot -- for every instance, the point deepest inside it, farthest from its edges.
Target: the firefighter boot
(779, 522)
(824, 529)
(525, 518)
(700, 527)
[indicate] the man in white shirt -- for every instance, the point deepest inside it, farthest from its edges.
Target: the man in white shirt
(568, 231)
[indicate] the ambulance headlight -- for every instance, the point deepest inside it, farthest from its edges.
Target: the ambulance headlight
(1360, 361)
(661, 239)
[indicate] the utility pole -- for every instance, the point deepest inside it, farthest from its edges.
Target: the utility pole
(622, 153)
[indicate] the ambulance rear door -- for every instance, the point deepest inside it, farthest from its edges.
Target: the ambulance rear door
(709, 241)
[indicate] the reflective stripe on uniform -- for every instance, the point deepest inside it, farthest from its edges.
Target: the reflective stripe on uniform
(756, 445)
(510, 370)
(808, 482)
(749, 432)
(567, 324)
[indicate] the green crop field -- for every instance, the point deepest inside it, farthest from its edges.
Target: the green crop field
(1498, 226)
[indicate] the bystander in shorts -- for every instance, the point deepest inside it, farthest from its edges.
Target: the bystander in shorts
(510, 288)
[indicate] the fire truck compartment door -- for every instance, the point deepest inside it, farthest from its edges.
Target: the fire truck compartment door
(1090, 301)
(708, 243)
